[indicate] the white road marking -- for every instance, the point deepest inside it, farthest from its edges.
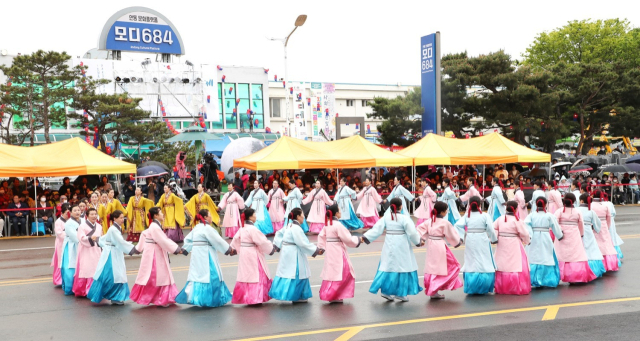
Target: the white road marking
(33, 248)
(358, 282)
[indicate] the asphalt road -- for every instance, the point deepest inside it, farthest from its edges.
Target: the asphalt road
(31, 308)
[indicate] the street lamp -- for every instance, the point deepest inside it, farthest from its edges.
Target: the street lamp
(299, 22)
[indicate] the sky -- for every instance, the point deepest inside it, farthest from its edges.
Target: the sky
(371, 42)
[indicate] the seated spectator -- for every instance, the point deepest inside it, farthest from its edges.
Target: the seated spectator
(66, 186)
(5, 197)
(45, 216)
(633, 189)
(18, 217)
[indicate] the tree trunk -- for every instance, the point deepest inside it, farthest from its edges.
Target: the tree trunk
(31, 130)
(45, 121)
(582, 135)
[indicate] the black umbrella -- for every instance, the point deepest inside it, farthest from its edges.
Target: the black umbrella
(634, 159)
(580, 168)
(150, 171)
(616, 169)
(92, 180)
(537, 173)
(509, 167)
(155, 163)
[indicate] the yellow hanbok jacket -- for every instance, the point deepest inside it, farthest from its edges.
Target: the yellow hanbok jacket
(103, 214)
(137, 213)
(198, 203)
(173, 210)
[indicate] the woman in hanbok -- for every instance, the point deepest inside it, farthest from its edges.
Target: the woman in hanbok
(538, 191)
(479, 267)
(292, 277)
(173, 211)
(522, 203)
(258, 200)
(110, 279)
(338, 277)
(276, 207)
(202, 201)
(253, 281)
(592, 226)
(83, 211)
(401, 193)
(154, 283)
(103, 212)
(232, 203)
(70, 251)
(94, 202)
(368, 208)
(205, 286)
(88, 254)
(397, 274)
(114, 204)
(441, 267)
(615, 238)
(471, 192)
(543, 263)
(554, 198)
(318, 208)
(572, 257)
(603, 238)
(348, 217)
(512, 274)
(427, 199)
(496, 201)
(294, 200)
(56, 260)
(137, 212)
(449, 198)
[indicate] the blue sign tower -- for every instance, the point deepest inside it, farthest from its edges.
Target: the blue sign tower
(430, 69)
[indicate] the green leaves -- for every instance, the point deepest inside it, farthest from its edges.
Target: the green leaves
(401, 118)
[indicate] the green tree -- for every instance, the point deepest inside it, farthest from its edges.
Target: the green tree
(402, 118)
(42, 83)
(14, 101)
(115, 114)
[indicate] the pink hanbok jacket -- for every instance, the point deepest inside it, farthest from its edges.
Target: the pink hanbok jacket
(435, 234)
(554, 199)
(318, 209)
(251, 246)
(604, 237)
(232, 204)
(471, 192)
(427, 199)
(522, 205)
(276, 205)
(570, 249)
(334, 239)
(370, 199)
(511, 235)
(60, 234)
(88, 251)
(155, 245)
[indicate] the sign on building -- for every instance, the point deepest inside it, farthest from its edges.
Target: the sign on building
(430, 74)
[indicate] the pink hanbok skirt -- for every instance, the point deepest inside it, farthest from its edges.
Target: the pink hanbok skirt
(231, 231)
(369, 221)
(81, 286)
(252, 293)
(277, 226)
(316, 227)
(152, 294)
(610, 262)
(57, 274)
(576, 272)
(435, 283)
(514, 283)
(339, 290)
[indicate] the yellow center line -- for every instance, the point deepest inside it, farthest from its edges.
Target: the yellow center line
(551, 313)
(234, 264)
(349, 334)
(442, 318)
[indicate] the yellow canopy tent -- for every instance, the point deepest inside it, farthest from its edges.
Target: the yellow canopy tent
(290, 153)
(68, 157)
(489, 149)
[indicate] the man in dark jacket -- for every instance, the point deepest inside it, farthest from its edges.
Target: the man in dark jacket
(18, 217)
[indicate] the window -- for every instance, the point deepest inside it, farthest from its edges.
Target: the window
(350, 102)
(230, 118)
(257, 105)
(275, 107)
(218, 124)
(244, 105)
(365, 103)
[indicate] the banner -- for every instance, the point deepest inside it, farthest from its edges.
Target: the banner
(430, 64)
(315, 101)
(328, 106)
(299, 117)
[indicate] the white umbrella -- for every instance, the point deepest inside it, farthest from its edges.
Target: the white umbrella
(559, 164)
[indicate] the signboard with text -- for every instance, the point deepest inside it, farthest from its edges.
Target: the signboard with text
(430, 76)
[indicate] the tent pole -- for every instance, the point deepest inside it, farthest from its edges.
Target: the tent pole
(414, 186)
(35, 198)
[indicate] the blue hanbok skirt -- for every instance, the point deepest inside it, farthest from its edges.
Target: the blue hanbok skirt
(620, 255)
(354, 222)
(396, 283)
(211, 295)
(287, 289)
(265, 225)
(305, 226)
(105, 288)
(597, 266)
(479, 283)
(67, 274)
(546, 275)
(450, 216)
(496, 212)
